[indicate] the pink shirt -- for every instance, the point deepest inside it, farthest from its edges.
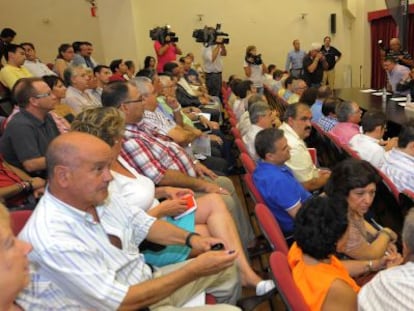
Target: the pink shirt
(169, 56)
(344, 131)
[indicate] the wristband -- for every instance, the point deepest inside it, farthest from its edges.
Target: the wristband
(188, 239)
(370, 266)
(177, 109)
(383, 230)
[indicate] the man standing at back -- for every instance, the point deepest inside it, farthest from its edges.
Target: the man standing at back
(294, 60)
(213, 66)
(332, 56)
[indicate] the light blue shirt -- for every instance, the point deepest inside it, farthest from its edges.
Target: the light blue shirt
(294, 60)
(316, 110)
(73, 264)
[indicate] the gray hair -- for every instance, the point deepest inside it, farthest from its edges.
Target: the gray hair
(257, 110)
(70, 72)
(164, 80)
(292, 110)
(408, 231)
(344, 110)
(142, 84)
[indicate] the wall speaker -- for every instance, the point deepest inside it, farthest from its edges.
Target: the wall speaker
(333, 23)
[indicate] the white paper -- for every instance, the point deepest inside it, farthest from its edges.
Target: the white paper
(196, 301)
(368, 91)
(399, 99)
(380, 93)
(205, 115)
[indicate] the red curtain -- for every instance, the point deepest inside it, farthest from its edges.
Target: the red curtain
(383, 28)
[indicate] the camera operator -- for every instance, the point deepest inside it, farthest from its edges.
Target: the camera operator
(213, 66)
(314, 63)
(166, 52)
(254, 68)
(400, 56)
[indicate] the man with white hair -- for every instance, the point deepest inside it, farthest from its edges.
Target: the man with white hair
(313, 66)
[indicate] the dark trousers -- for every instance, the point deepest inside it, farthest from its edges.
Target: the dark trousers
(213, 83)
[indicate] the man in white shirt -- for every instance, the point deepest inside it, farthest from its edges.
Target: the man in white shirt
(296, 127)
(368, 145)
(213, 66)
(33, 64)
(86, 243)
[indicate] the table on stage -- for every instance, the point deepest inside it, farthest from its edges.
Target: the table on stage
(396, 114)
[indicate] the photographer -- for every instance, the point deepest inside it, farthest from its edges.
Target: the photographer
(401, 57)
(254, 68)
(313, 66)
(213, 66)
(166, 51)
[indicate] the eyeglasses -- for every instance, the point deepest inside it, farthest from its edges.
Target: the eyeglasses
(43, 95)
(138, 100)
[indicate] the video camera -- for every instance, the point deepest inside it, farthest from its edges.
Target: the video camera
(208, 35)
(254, 59)
(160, 34)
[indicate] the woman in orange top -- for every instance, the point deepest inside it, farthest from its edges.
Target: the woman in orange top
(320, 229)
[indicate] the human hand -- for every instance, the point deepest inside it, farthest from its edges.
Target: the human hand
(203, 243)
(390, 143)
(172, 102)
(37, 193)
(392, 260)
(216, 139)
(37, 183)
(213, 125)
(210, 187)
(212, 262)
(203, 171)
(172, 207)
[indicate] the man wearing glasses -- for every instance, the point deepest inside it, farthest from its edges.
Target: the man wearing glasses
(349, 115)
(29, 132)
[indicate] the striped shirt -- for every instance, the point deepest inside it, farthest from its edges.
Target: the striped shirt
(399, 166)
(73, 264)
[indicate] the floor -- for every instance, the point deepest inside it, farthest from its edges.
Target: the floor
(276, 301)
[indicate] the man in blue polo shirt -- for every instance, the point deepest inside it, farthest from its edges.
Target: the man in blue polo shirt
(282, 192)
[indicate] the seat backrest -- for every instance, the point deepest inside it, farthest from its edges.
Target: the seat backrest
(247, 161)
(19, 219)
(235, 132)
(275, 101)
(254, 193)
(351, 152)
(271, 229)
(285, 284)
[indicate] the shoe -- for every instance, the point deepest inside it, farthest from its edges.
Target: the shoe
(264, 287)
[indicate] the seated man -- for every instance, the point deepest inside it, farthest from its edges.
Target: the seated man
(86, 243)
(323, 93)
(30, 131)
(260, 118)
(164, 161)
(102, 74)
(14, 69)
(395, 74)
(392, 289)
(399, 162)
(298, 87)
(328, 120)
(368, 145)
(349, 116)
(296, 127)
(77, 97)
(283, 194)
(33, 64)
(119, 70)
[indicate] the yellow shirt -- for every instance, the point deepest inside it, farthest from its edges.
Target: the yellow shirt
(10, 74)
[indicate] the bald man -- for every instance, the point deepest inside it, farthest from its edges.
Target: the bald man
(401, 57)
(86, 243)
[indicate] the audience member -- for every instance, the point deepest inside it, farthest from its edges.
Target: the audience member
(269, 72)
(165, 162)
(314, 64)
(395, 74)
(323, 93)
(328, 120)
(392, 289)
(254, 68)
(296, 127)
(102, 75)
(119, 70)
(401, 57)
(130, 69)
(349, 115)
(276, 82)
(243, 91)
(86, 243)
(407, 84)
(368, 145)
(6, 37)
(190, 74)
(63, 59)
(308, 96)
(32, 63)
(83, 56)
(150, 63)
(244, 123)
(398, 163)
(77, 79)
(166, 52)
(332, 56)
(14, 69)
(13, 263)
(298, 87)
(283, 194)
(321, 230)
(355, 181)
(260, 117)
(287, 90)
(211, 218)
(213, 66)
(294, 60)
(30, 131)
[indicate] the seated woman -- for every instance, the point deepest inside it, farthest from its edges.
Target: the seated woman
(355, 181)
(211, 218)
(64, 58)
(321, 229)
(14, 266)
(18, 190)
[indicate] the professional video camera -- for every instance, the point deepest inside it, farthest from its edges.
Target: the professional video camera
(208, 35)
(160, 34)
(254, 59)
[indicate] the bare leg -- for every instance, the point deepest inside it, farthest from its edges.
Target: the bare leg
(213, 219)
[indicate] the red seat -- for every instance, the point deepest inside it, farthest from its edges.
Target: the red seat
(254, 193)
(271, 229)
(247, 161)
(19, 219)
(236, 133)
(285, 284)
(351, 152)
(240, 144)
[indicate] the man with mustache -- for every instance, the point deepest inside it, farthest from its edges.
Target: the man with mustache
(296, 127)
